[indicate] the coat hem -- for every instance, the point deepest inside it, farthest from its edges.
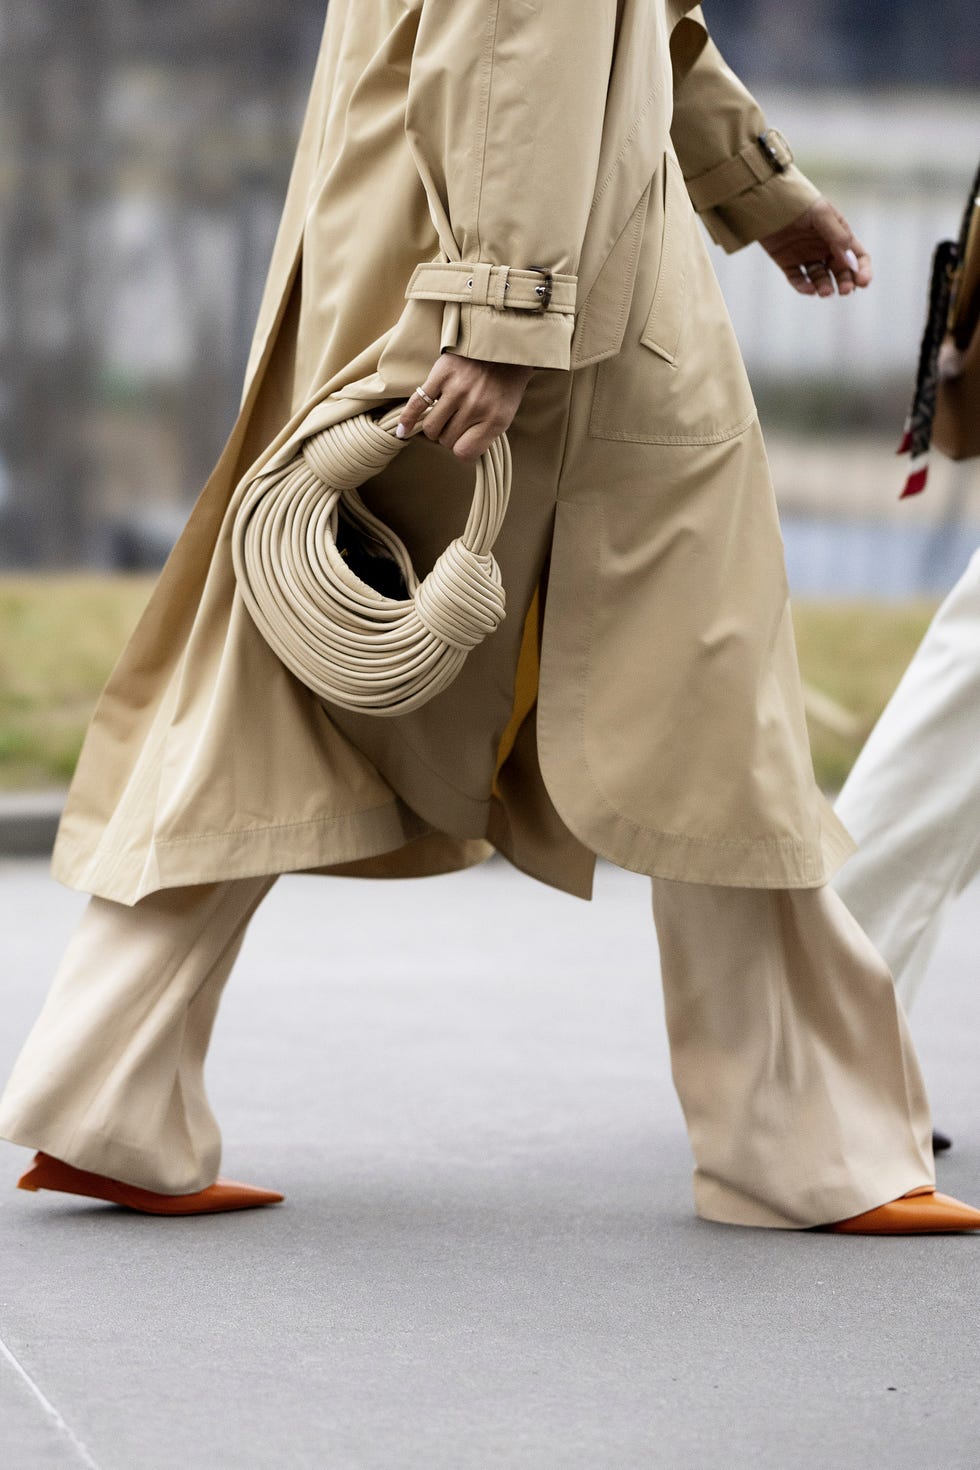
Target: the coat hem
(766, 862)
(251, 852)
(760, 863)
(776, 860)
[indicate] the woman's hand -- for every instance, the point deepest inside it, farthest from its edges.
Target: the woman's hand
(818, 249)
(476, 402)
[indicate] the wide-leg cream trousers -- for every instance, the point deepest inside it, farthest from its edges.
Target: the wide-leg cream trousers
(912, 800)
(798, 1081)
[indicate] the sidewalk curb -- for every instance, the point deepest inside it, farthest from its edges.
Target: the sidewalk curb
(29, 821)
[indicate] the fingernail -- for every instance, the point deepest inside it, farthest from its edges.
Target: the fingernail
(851, 259)
(400, 431)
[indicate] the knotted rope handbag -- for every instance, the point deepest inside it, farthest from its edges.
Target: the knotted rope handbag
(304, 544)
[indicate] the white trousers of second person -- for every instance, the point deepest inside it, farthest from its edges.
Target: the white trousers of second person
(912, 801)
(789, 1051)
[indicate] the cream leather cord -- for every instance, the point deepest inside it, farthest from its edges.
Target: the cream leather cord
(345, 640)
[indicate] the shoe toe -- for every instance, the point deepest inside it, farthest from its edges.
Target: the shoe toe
(921, 1212)
(225, 1194)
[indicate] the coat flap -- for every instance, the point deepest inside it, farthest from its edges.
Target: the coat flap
(635, 131)
(601, 323)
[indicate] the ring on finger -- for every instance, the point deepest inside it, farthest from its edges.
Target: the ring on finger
(430, 401)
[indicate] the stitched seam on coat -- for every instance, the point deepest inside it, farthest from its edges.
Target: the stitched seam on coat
(653, 331)
(584, 316)
(364, 811)
(488, 62)
(627, 145)
(637, 221)
(639, 829)
(721, 437)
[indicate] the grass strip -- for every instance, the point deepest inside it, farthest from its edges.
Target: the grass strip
(60, 636)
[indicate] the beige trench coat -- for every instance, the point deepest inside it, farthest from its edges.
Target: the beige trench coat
(641, 700)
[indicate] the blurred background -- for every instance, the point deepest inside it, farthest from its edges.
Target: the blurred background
(145, 155)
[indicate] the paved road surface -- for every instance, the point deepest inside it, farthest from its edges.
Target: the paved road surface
(488, 1257)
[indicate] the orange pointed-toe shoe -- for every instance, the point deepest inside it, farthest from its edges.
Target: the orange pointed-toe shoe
(48, 1173)
(920, 1212)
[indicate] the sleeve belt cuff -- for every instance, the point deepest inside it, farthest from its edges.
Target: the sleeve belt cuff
(757, 162)
(500, 286)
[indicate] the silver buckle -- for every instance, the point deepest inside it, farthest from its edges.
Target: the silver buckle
(543, 292)
(776, 160)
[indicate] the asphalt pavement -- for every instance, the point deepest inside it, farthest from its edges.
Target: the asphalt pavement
(488, 1255)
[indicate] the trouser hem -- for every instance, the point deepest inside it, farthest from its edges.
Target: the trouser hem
(97, 1154)
(723, 1205)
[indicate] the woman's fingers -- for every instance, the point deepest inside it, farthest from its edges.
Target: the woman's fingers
(474, 402)
(800, 281)
(824, 276)
(417, 407)
(851, 258)
(465, 432)
(847, 255)
(436, 419)
(818, 252)
(472, 442)
(820, 277)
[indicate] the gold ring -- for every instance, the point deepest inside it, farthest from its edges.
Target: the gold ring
(430, 401)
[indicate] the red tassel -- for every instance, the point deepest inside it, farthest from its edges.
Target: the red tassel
(916, 483)
(906, 443)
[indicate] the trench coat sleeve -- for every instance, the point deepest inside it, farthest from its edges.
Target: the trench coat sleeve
(716, 127)
(504, 116)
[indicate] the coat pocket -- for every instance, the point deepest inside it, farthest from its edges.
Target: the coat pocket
(679, 377)
(662, 330)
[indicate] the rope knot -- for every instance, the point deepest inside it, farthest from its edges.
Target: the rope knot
(348, 453)
(462, 600)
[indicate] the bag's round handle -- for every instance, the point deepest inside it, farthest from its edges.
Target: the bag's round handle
(350, 644)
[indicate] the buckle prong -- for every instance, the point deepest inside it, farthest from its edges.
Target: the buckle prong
(544, 291)
(771, 153)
